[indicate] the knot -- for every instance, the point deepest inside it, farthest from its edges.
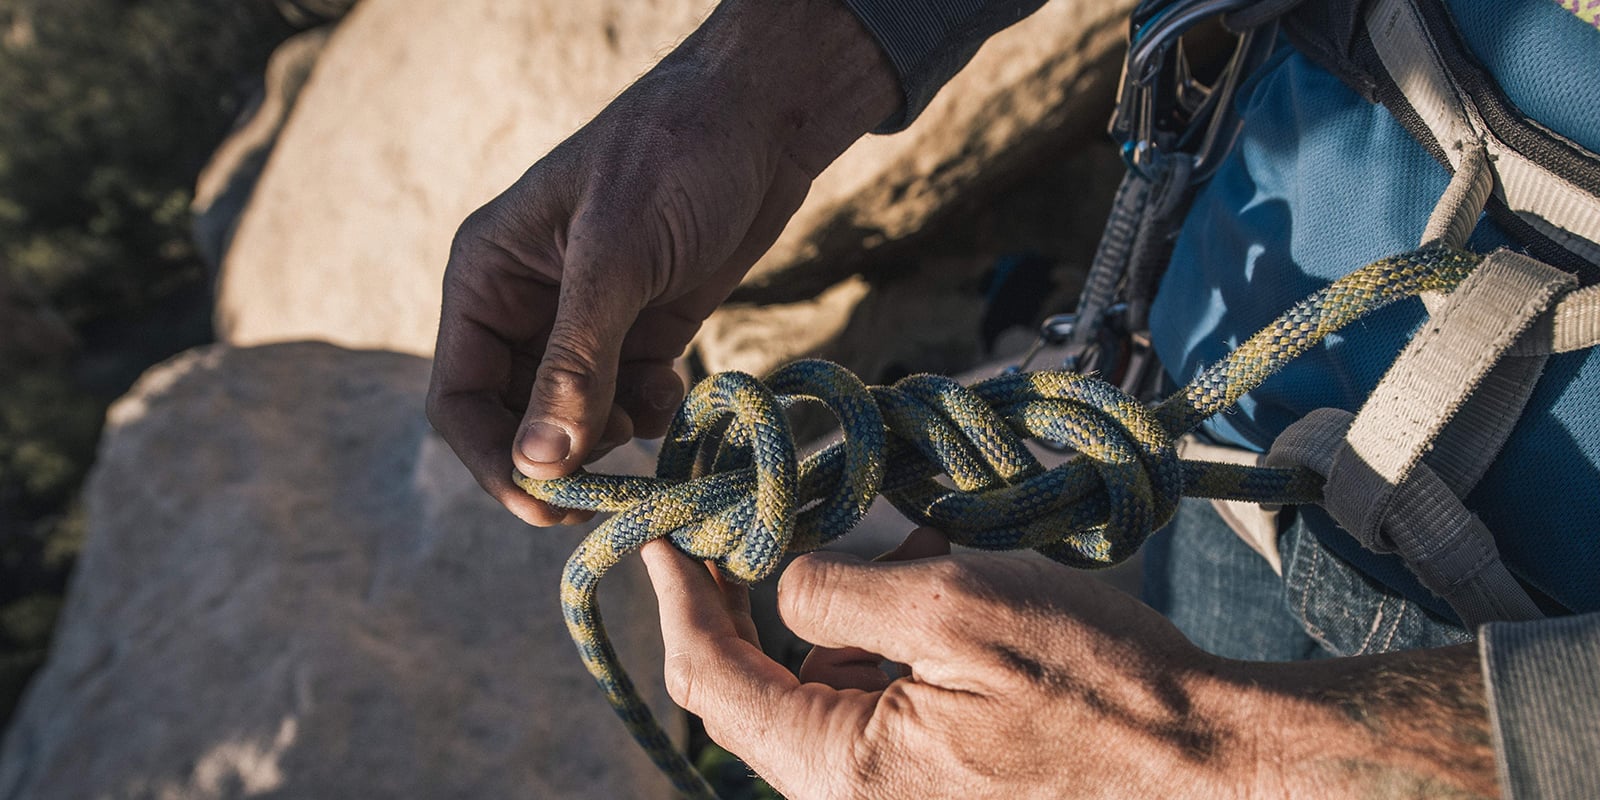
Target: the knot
(1094, 510)
(730, 489)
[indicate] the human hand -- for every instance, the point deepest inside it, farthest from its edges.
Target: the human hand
(567, 297)
(1031, 680)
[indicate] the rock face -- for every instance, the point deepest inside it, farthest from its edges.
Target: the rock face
(224, 186)
(291, 588)
(420, 111)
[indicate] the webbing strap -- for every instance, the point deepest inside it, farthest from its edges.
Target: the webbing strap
(1574, 324)
(1453, 219)
(1443, 544)
(1547, 201)
(1431, 380)
(1469, 442)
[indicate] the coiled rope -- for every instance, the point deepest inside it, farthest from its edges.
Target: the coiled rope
(730, 488)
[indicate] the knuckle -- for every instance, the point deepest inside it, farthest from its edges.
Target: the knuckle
(471, 232)
(564, 373)
(805, 588)
(678, 671)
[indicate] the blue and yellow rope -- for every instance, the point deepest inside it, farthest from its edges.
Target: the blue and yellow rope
(729, 487)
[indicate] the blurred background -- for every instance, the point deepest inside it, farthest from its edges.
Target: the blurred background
(266, 190)
(108, 112)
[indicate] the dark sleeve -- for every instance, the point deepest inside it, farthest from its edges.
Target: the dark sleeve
(928, 41)
(1544, 703)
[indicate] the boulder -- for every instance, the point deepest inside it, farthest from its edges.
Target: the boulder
(938, 308)
(421, 111)
(291, 588)
(223, 189)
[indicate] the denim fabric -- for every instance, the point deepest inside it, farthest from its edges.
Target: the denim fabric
(1229, 602)
(1219, 592)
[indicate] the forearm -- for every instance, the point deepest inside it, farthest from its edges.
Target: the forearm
(806, 72)
(1408, 724)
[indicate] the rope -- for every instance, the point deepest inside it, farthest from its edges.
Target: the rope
(731, 489)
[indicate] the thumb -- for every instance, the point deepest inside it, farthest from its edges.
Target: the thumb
(576, 382)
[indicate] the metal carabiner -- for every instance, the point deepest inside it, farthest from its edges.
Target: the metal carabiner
(1160, 106)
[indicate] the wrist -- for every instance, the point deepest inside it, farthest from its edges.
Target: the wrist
(805, 72)
(1402, 724)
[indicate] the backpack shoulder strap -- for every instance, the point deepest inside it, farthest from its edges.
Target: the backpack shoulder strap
(1408, 56)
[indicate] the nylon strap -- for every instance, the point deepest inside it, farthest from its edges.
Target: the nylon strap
(1431, 379)
(1445, 546)
(1548, 202)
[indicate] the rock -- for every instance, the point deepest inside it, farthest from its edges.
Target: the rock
(928, 325)
(224, 186)
(291, 588)
(929, 311)
(421, 111)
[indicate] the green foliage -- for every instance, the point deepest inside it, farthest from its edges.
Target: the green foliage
(108, 110)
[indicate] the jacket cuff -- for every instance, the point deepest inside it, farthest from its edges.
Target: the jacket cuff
(929, 41)
(1543, 680)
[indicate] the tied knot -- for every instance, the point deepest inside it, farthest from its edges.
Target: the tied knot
(1093, 510)
(730, 487)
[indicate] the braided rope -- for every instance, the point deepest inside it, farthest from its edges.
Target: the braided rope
(730, 488)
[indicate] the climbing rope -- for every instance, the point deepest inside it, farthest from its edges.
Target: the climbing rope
(731, 489)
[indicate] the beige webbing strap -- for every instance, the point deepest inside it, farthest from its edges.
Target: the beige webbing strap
(1457, 213)
(1574, 324)
(1472, 439)
(1549, 202)
(1431, 380)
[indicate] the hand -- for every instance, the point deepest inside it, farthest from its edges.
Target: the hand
(567, 297)
(1031, 680)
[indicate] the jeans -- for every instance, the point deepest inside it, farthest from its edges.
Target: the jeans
(1229, 602)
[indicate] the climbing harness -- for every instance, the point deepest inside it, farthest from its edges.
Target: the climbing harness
(731, 489)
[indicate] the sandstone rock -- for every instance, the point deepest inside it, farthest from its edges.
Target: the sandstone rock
(291, 588)
(925, 312)
(224, 186)
(421, 111)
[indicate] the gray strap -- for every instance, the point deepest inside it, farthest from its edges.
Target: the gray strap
(1111, 258)
(1442, 543)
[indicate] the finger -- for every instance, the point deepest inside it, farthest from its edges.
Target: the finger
(464, 406)
(899, 610)
(749, 703)
(650, 391)
(924, 542)
(576, 381)
(617, 432)
(853, 667)
(845, 668)
(736, 598)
